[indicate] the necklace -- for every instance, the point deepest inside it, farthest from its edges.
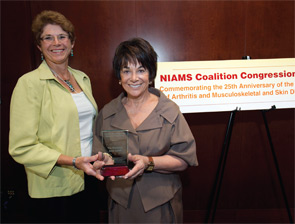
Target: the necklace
(67, 82)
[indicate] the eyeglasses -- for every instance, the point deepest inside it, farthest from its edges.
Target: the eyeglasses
(50, 38)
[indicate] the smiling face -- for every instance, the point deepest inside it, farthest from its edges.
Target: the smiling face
(135, 80)
(55, 44)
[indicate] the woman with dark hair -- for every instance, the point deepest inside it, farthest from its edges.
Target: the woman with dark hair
(160, 142)
(51, 120)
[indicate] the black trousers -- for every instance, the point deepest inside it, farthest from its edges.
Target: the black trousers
(83, 207)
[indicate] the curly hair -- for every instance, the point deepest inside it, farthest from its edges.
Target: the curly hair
(55, 18)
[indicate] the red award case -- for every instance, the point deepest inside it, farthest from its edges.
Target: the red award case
(114, 170)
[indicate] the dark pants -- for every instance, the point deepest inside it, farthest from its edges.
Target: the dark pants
(83, 207)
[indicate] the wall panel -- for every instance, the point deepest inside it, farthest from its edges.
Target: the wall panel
(270, 29)
(197, 30)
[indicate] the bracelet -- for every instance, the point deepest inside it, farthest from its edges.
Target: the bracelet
(105, 153)
(74, 163)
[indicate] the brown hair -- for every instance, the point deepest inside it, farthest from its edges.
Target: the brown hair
(133, 51)
(55, 18)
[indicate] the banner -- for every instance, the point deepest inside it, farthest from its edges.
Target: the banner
(227, 85)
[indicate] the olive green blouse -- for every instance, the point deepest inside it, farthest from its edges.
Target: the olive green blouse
(44, 124)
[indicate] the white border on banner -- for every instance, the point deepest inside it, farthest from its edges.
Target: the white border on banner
(227, 85)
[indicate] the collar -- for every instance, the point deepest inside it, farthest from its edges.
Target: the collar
(166, 109)
(45, 72)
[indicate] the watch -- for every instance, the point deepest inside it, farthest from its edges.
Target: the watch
(151, 165)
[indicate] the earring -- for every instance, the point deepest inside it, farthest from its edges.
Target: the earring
(120, 83)
(42, 57)
(150, 82)
(72, 52)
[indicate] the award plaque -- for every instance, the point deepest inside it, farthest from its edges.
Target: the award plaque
(115, 143)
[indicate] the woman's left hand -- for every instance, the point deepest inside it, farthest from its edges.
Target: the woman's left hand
(140, 164)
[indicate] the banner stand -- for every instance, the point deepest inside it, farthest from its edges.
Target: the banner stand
(222, 162)
(276, 162)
